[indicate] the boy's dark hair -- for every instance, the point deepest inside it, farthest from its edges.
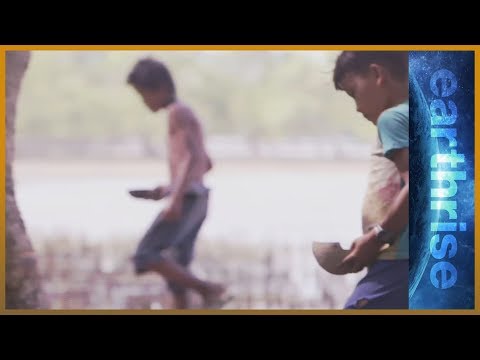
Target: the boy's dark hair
(151, 74)
(359, 61)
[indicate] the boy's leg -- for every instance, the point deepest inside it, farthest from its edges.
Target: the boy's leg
(151, 256)
(181, 276)
(183, 254)
(180, 299)
(159, 237)
(384, 287)
(180, 279)
(163, 235)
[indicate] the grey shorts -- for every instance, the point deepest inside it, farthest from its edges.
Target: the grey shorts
(173, 239)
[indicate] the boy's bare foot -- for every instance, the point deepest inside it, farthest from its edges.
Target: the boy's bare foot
(215, 296)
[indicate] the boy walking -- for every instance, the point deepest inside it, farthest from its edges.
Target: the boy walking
(167, 247)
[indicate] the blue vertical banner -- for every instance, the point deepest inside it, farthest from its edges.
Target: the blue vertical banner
(441, 274)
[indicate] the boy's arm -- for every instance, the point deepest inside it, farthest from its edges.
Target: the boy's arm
(365, 249)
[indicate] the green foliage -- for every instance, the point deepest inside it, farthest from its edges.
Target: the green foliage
(83, 94)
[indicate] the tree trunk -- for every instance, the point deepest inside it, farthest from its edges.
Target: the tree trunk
(23, 286)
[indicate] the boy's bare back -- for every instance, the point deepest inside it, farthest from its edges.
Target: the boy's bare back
(186, 145)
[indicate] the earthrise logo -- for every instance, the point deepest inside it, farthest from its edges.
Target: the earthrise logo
(441, 272)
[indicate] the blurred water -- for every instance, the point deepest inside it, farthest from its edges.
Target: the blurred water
(257, 208)
(255, 203)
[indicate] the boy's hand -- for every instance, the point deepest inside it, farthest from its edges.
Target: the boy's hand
(173, 211)
(209, 163)
(364, 252)
(159, 192)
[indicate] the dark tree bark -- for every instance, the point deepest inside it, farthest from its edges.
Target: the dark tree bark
(23, 286)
